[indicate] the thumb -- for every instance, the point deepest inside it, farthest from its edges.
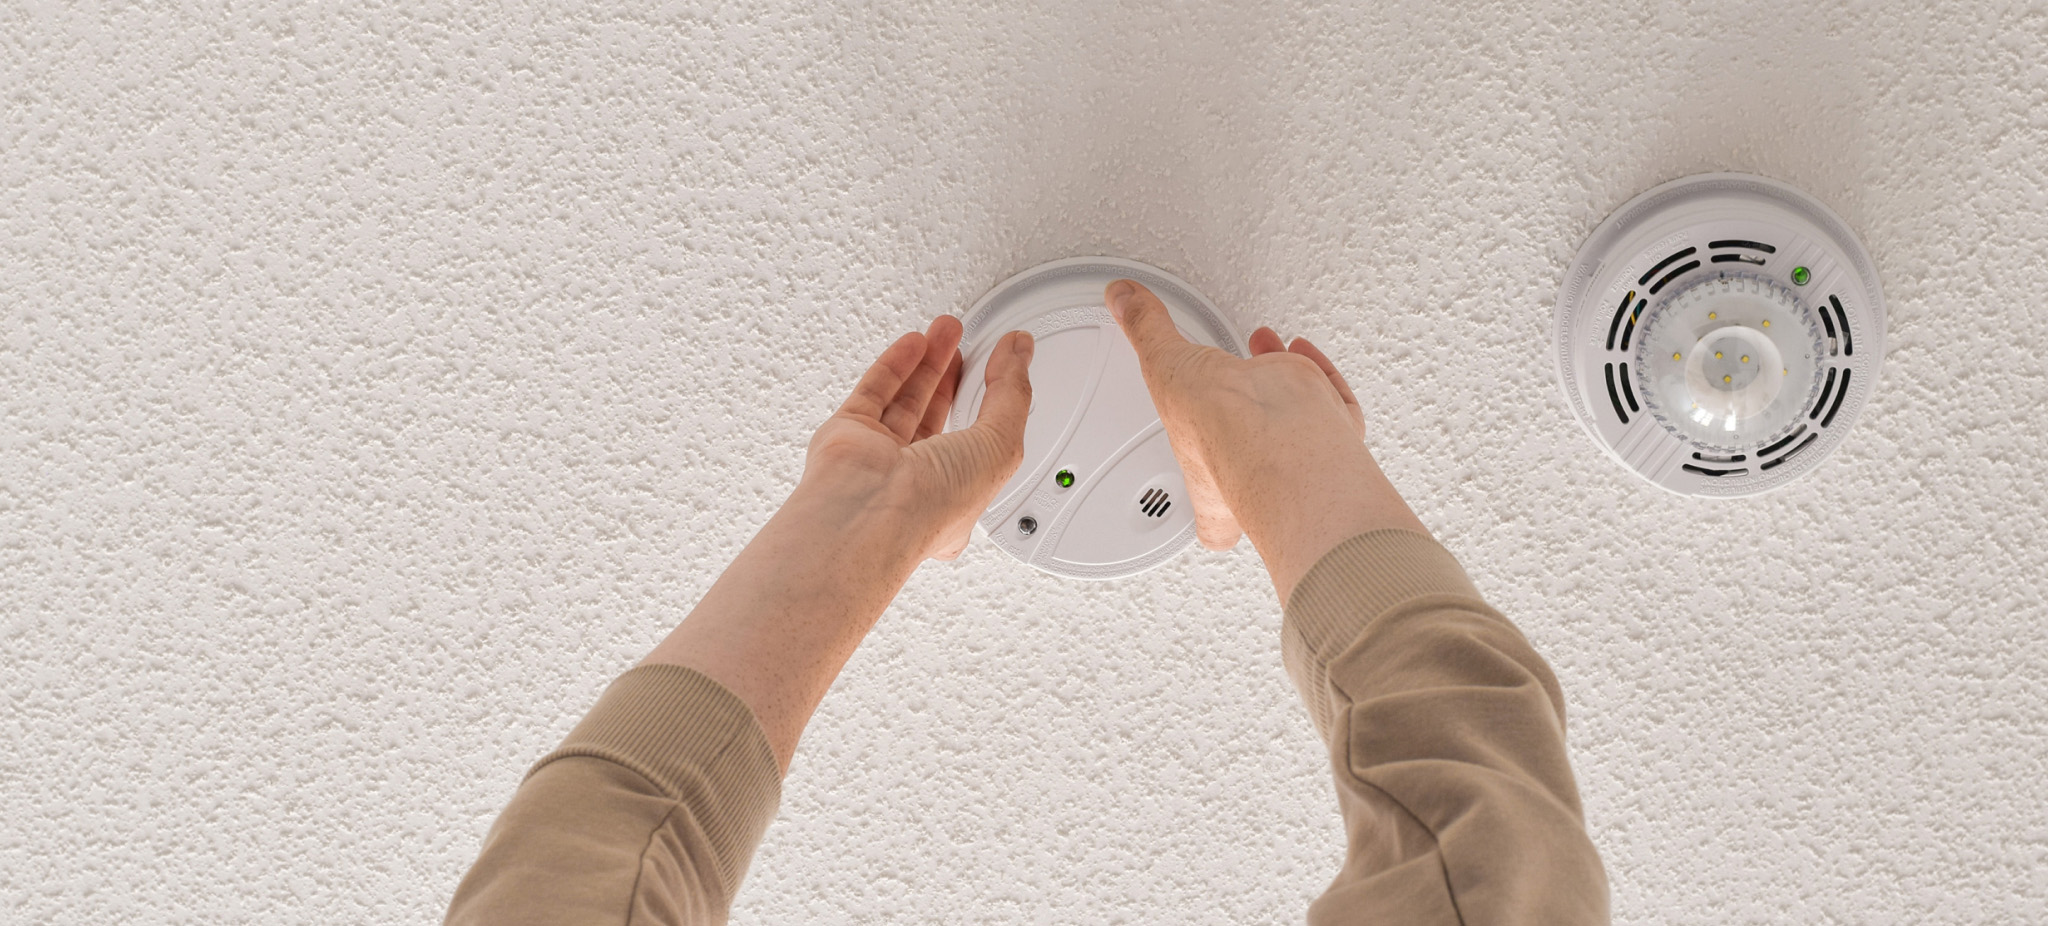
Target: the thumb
(1145, 321)
(1007, 401)
(971, 464)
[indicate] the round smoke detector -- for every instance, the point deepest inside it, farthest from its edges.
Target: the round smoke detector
(1719, 333)
(1099, 494)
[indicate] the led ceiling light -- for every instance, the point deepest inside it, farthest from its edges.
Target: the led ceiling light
(1099, 494)
(1719, 333)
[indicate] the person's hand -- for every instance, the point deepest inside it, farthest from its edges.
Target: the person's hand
(884, 444)
(1272, 446)
(882, 491)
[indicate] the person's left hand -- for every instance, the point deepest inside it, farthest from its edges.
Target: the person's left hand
(883, 447)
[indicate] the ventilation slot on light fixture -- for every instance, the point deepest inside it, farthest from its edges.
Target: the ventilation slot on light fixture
(1675, 274)
(1840, 394)
(1666, 262)
(1788, 454)
(1714, 472)
(1774, 448)
(1154, 503)
(1732, 258)
(1822, 402)
(1848, 343)
(1615, 325)
(1613, 396)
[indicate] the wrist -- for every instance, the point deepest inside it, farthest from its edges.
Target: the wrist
(1298, 517)
(857, 522)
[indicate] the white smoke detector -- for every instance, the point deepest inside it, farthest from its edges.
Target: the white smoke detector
(1099, 494)
(1719, 333)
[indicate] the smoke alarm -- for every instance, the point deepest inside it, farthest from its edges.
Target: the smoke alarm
(1099, 494)
(1719, 334)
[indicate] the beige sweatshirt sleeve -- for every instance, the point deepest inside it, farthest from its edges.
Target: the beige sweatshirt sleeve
(648, 813)
(1446, 739)
(1445, 729)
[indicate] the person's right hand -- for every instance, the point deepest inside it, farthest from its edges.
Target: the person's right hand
(1272, 446)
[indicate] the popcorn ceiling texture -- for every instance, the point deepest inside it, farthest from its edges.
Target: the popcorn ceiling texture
(378, 381)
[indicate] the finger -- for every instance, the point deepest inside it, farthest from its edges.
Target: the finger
(1266, 341)
(1006, 400)
(1303, 347)
(907, 409)
(1145, 321)
(942, 400)
(879, 385)
(979, 458)
(972, 463)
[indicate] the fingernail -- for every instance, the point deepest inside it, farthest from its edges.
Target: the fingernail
(1023, 344)
(1119, 292)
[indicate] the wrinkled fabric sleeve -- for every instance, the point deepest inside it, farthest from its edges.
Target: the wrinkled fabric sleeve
(649, 812)
(1446, 737)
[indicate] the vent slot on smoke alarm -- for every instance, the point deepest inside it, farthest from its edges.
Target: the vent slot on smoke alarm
(1848, 343)
(1714, 472)
(1154, 503)
(1736, 243)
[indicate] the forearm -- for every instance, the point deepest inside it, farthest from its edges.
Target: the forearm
(779, 624)
(653, 805)
(1298, 507)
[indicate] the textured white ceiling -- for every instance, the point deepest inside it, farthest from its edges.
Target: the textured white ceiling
(378, 381)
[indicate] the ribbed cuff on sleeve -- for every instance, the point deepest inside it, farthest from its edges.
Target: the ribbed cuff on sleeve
(1353, 584)
(698, 743)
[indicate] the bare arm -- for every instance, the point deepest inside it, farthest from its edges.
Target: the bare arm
(652, 806)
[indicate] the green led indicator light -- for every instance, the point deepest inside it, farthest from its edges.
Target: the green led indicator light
(1800, 275)
(1065, 478)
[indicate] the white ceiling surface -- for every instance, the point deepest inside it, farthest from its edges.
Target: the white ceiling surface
(376, 384)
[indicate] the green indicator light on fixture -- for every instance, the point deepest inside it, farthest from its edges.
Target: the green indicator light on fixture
(1065, 478)
(1800, 275)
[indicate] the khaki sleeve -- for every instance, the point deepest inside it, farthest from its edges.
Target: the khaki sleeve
(1446, 738)
(648, 813)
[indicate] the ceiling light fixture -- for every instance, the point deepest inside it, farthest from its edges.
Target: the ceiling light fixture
(1718, 334)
